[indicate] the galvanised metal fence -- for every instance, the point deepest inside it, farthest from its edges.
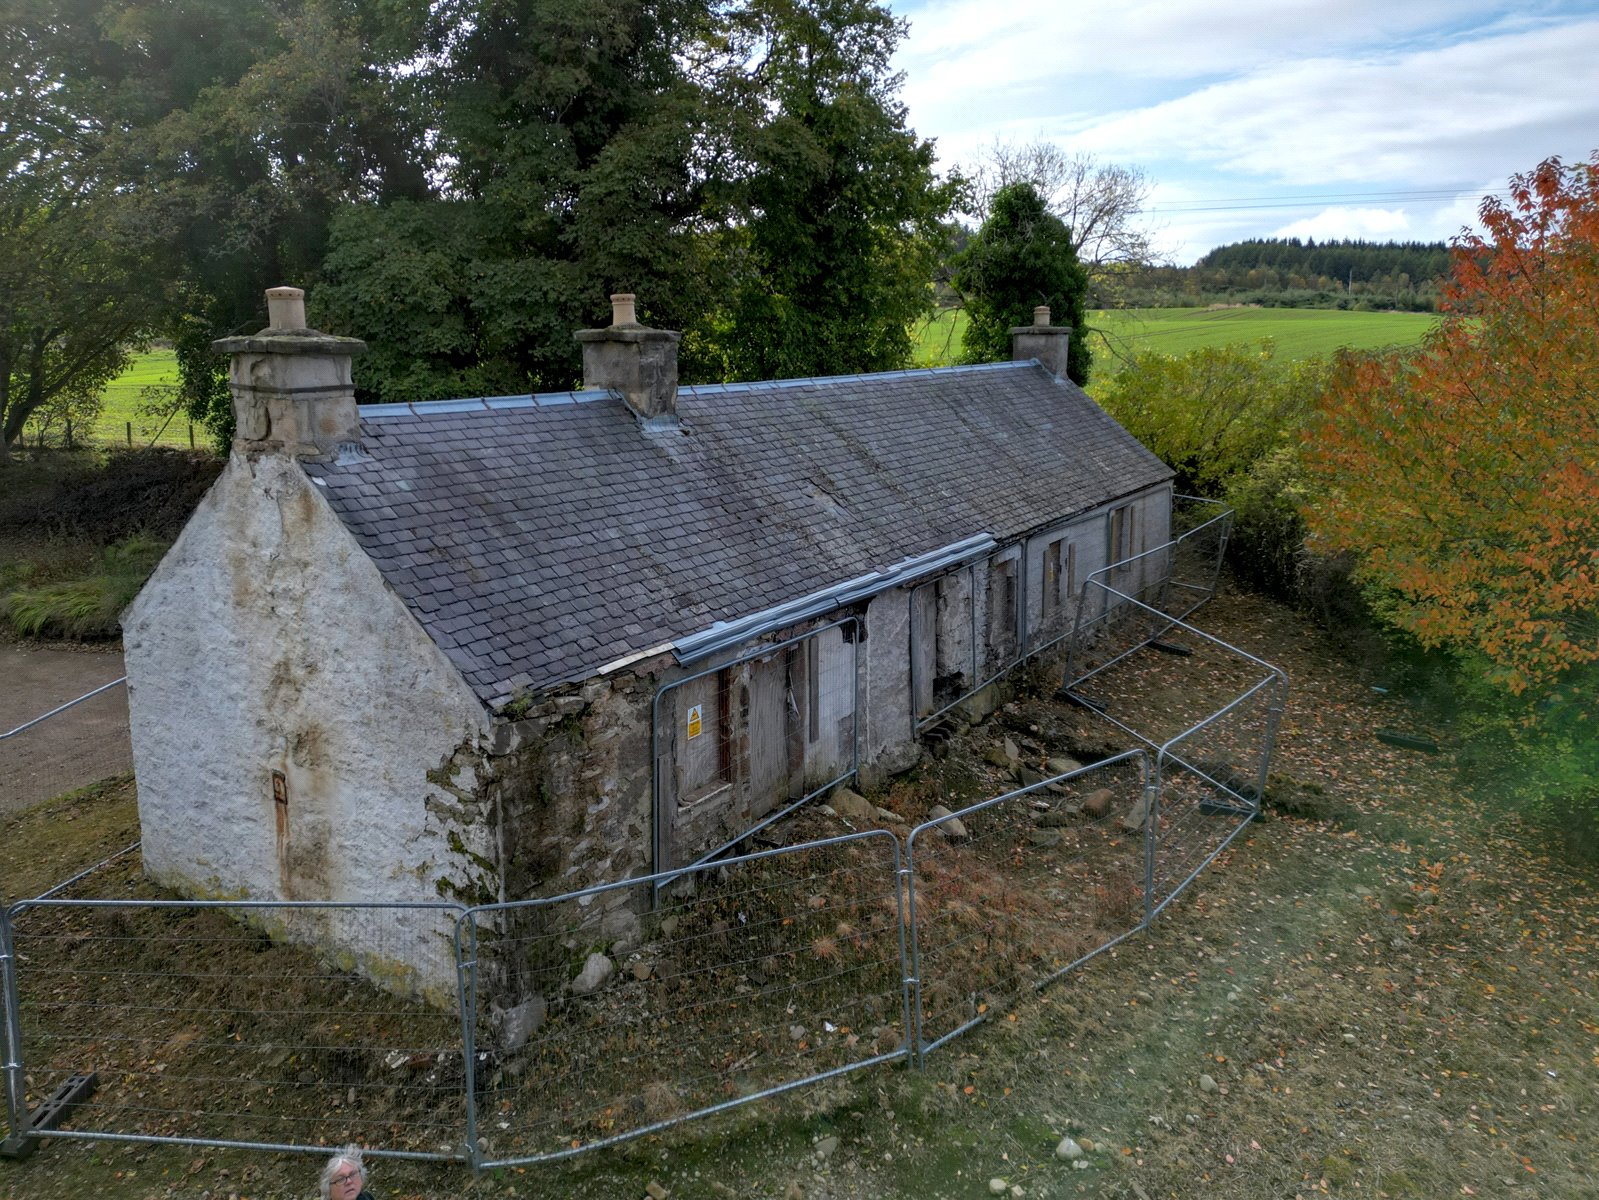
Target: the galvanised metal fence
(1010, 894)
(975, 626)
(1169, 583)
(72, 746)
(585, 1019)
(752, 976)
(1213, 741)
(200, 1028)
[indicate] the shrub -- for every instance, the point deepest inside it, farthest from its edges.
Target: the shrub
(105, 499)
(1211, 414)
(1268, 537)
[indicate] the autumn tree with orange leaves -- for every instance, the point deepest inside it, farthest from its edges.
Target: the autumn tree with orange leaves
(1465, 474)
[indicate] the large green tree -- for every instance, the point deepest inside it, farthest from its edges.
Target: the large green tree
(1021, 258)
(234, 131)
(567, 147)
(833, 213)
(75, 288)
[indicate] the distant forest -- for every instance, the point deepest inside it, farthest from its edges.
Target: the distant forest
(1295, 273)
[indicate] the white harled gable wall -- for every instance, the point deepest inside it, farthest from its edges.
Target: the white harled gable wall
(267, 641)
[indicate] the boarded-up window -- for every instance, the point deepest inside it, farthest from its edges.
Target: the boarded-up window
(1123, 532)
(704, 736)
(1002, 622)
(1060, 576)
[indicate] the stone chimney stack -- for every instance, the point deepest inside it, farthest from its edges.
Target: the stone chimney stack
(291, 386)
(638, 362)
(1043, 341)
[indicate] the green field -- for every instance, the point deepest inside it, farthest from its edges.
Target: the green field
(123, 396)
(1296, 332)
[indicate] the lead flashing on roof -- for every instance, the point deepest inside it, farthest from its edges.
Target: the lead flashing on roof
(424, 408)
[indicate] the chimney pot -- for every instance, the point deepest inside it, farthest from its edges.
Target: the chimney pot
(638, 362)
(285, 308)
(292, 387)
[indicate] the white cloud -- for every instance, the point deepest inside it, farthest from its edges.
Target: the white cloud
(1442, 114)
(1340, 221)
(971, 66)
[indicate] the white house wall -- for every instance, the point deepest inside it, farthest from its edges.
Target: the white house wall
(267, 653)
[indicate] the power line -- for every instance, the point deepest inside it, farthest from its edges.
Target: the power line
(1318, 200)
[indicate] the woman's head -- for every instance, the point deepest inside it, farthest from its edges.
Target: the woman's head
(344, 1176)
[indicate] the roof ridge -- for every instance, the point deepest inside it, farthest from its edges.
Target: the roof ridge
(695, 389)
(424, 408)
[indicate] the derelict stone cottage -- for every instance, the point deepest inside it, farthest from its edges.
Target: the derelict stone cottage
(494, 648)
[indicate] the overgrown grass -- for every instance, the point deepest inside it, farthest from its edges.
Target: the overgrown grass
(89, 606)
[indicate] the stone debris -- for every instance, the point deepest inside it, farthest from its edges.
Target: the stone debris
(825, 1148)
(596, 971)
(513, 1026)
(954, 829)
(1208, 1085)
(1068, 1149)
(1097, 804)
(655, 1191)
(998, 1187)
(853, 807)
(1133, 819)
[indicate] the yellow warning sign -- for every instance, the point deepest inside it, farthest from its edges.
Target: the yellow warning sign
(694, 721)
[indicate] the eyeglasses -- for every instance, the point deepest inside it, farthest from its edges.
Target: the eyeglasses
(347, 1177)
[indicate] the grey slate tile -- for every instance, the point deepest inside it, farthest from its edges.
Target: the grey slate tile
(537, 543)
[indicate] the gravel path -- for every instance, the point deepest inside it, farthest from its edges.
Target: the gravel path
(72, 749)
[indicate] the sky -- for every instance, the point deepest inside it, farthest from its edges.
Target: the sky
(1375, 119)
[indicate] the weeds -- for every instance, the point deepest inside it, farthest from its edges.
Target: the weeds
(89, 606)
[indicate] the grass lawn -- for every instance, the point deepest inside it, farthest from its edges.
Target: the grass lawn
(122, 398)
(1297, 332)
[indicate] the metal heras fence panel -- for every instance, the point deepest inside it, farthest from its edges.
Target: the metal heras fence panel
(72, 746)
(744, 743)
(625, 1009)
(1210, 782)
(1011, 893)
(201, 1028)
(1168, 582)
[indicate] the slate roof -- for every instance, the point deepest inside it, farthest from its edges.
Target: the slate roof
(537, 538)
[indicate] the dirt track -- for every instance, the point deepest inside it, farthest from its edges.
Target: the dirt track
(70, 750)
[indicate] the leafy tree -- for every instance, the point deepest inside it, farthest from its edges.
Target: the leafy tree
(831, 211)
(232, 133)
(1213, 413)
(1100, 202)
(1465, 475)
(1022, 257)
(74, 288)
(569, 147)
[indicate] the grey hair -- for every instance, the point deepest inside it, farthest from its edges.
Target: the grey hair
(350, 1154)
